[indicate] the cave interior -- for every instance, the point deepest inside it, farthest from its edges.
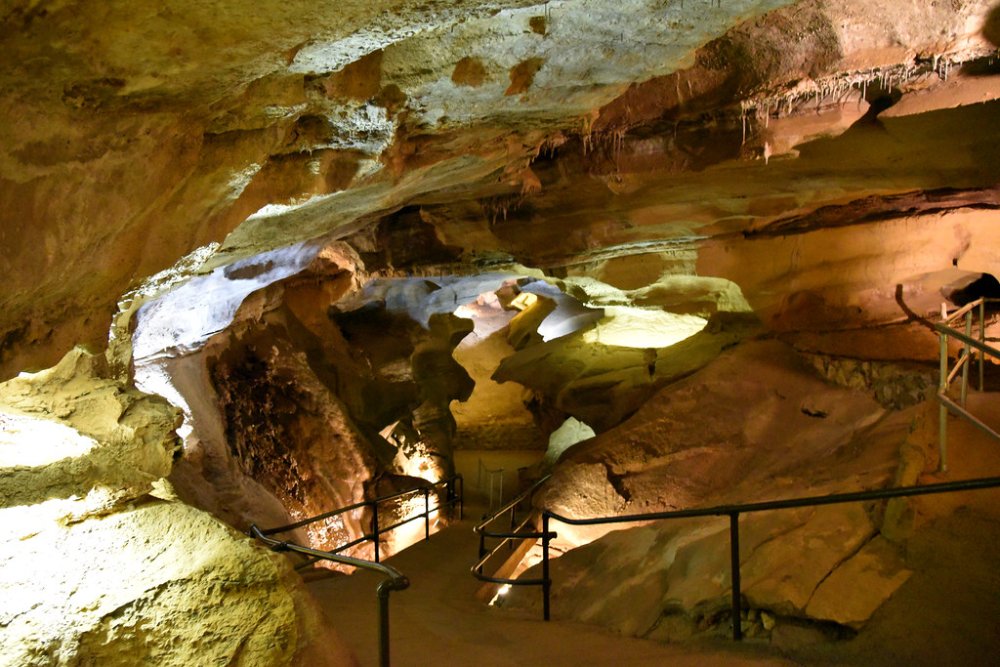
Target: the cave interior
(636, 256)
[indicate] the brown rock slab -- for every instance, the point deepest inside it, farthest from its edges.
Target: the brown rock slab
(852, 592)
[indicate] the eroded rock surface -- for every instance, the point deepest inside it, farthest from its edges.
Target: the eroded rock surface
(101, 564)
(482, 119)
(158, 583)
(776, 430)
(70, 430)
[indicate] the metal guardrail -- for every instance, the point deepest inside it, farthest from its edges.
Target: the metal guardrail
(455, 492)
(962, 363)
(395, 580)
(733, 512)
(516, 532)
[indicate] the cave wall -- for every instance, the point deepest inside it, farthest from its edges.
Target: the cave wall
(778, 429)
(308, 399)
(814, 154)
(101, 563)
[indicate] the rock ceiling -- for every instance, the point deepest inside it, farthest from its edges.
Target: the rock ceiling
(452, 136)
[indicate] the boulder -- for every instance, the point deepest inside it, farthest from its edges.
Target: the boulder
(160, 583)
(70, 431)
(99, 562)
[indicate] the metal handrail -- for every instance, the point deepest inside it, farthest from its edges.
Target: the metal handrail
(734, 512)
(962, 363)
(506, 537)
(455, 493)
(394, 581)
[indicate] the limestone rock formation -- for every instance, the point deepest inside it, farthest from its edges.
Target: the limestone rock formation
(161, 583)
(295, 121)
(288, 212)
(84, 433)
(777, 430)
(99, 562)
(852, 592)
(295, 437)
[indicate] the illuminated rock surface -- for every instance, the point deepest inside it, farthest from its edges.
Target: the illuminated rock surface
(99, 562)
(290, 212)
(777, 431)
(159, 583)
(203, 116)
(70, 431)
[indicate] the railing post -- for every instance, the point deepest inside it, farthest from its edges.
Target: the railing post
(490, 508)
(546, 582)
(383, 626)
(942, 409)
(734, 546)
(449, 494)
(375, 533)
(513, 525)
(968, 361)
(982, 339)
(427, 513)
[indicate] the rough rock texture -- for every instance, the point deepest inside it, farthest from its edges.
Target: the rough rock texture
(495, 416)
(892, 385)
(82, 431)
(776, 430)
(602, 384)
(852, 593)
(772, 416)
(303, 403)
(99, 562)
(633, 579)
(159, 583)
(294, 436)
(656, 121)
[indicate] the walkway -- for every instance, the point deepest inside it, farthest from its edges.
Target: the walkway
(439, 620)
(946, 613)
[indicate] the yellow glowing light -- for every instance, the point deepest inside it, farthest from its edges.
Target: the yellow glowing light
(626, 326)
(498, 598)
(51, 441)
(524, 300)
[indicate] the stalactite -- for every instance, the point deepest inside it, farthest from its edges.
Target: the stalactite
(500, 206)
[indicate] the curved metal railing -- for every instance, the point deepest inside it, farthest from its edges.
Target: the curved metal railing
(962, 363)
(394, 579)
(516, 532)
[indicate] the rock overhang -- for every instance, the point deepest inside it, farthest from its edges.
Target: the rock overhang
(161, 129)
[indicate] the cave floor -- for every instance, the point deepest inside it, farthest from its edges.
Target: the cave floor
(947, 613)
(439, 620)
